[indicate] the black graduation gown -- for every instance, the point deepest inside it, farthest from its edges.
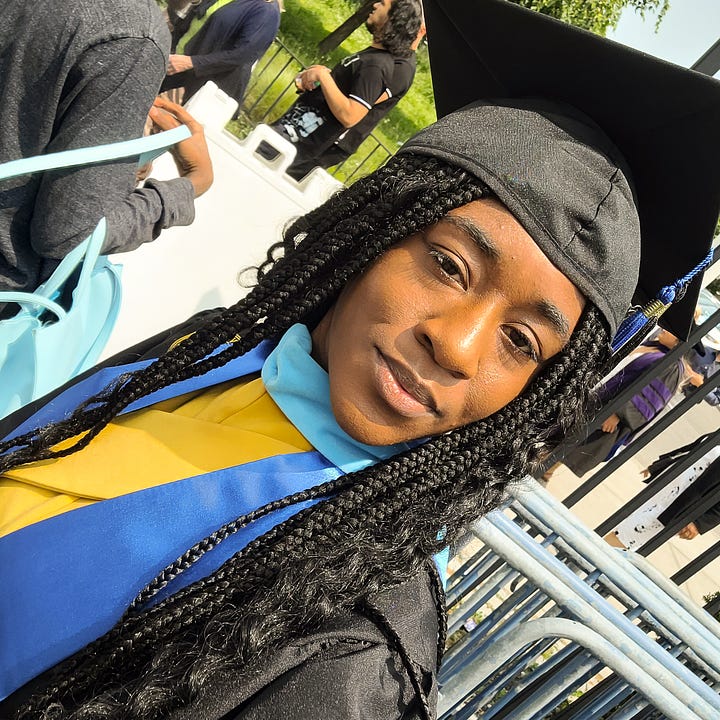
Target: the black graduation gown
(348, 671)
(705, 488)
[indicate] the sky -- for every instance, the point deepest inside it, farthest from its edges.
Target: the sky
(688, 29)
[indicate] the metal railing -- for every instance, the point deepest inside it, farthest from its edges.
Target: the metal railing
(654, 429)
(270, 93)
(272, 90)
(553, 579)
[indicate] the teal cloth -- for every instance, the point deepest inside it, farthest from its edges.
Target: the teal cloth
(301, 389)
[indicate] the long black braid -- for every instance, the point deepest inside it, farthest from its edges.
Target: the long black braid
(374, 529)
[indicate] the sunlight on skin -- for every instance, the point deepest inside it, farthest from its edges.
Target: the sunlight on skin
(445, 328)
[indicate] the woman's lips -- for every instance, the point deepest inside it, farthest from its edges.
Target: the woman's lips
(401, 391)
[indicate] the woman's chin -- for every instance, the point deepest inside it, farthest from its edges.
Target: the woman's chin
(370, 430)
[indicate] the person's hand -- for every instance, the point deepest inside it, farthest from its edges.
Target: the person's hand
(667, 339)
(610, 425)
(191, 156)
(143, 172)
(179, 63)
(309, 78)
(418, 39)
(689, 531)
(645, 473)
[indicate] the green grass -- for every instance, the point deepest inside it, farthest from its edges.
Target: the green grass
(303, 24)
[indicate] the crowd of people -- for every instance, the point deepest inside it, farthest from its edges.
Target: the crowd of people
(337, 109)
(248, 516)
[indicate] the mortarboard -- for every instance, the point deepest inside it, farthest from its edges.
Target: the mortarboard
(662, 121)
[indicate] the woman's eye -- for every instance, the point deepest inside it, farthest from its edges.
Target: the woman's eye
(522, 343)
(447, 265)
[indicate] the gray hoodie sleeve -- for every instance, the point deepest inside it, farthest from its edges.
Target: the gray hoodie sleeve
(107, 98)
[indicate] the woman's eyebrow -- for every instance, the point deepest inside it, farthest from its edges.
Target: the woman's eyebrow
(476, 234)
(555, 317)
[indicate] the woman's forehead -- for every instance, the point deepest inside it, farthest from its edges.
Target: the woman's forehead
(570, 195)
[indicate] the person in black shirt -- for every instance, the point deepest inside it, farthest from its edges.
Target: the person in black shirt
(339, 108)
(352, 138)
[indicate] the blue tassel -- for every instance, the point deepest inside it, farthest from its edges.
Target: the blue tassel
(642, 321)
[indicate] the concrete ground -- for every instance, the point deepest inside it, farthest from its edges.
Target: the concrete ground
(626, 482)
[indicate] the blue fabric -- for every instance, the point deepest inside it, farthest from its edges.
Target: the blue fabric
(64, 403)
(67, 580)
(88, 565)
(301, 389)
(42, 345)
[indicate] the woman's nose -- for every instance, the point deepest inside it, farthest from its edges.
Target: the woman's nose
(458, 340)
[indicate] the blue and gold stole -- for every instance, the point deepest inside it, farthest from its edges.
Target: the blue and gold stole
(66, 580)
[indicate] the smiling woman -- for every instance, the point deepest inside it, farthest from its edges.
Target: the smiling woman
(430, 313)
(245, 517)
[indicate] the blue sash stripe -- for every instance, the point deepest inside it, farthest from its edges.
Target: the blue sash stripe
(67, 580)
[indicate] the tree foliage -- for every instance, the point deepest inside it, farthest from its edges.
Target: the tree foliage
(598, 16)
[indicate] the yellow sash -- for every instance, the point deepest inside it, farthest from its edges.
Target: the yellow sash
(225, 425)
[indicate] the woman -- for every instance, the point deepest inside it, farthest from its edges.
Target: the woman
(402, 367)
(420, 338)
(623, 426)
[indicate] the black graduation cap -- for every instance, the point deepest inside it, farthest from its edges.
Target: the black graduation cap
(664, 119)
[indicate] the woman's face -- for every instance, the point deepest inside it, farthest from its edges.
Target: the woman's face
(445, 328)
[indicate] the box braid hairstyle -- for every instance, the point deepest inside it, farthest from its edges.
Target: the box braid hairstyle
(372, 530)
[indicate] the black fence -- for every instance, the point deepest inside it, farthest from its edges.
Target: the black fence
(271, 92)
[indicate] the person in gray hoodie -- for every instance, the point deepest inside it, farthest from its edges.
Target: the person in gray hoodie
(78, 73)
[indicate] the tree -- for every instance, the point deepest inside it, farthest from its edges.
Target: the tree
(598, 16)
